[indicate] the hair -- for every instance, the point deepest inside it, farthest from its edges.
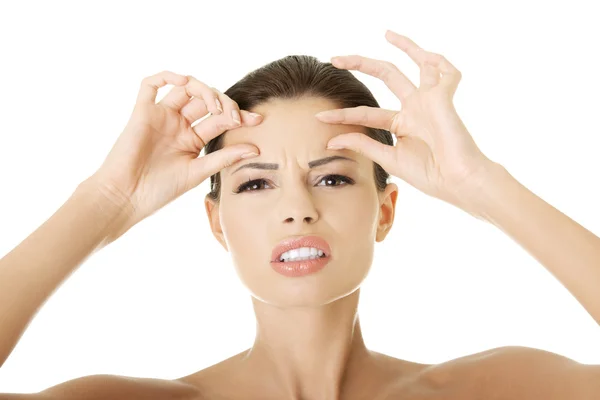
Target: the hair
(294, 77)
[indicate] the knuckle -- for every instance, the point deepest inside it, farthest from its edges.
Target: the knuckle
(192, 79)
(222, 126)
(228, 161)
(230, 102)
(379, 71)
(147, 79)
(385, 69)
(226, 99)
(364, 113)
(396, 123)
(390, 66)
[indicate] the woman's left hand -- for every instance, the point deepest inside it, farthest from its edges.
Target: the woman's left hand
(434, 151)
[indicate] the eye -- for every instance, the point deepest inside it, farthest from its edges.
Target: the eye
(251, 184)
(338, 178)
(254, 185)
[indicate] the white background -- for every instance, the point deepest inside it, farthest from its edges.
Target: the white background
(164, 301)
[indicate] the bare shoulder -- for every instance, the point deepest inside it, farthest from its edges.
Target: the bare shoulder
(215, 376)
(523, 372)
(113, 387)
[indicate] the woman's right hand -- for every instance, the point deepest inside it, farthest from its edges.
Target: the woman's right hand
(155, 159)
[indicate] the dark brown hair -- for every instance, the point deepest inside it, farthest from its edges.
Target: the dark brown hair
(293, 77)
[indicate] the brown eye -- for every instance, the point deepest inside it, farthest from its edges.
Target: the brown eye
(258, 184)
(337, 178)
(251, 185)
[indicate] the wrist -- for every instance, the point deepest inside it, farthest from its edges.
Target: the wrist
(113, 209)
(483, 195)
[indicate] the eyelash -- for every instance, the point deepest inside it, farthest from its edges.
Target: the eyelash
(242, 188)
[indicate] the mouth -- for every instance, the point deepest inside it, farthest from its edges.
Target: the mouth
(299, 259)
(304, 248)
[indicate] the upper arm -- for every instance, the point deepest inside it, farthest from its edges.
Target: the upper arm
(89, 387)
(547, 374)
(112, 387)
(519, 373)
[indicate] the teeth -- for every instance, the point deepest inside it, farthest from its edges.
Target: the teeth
(303, 253)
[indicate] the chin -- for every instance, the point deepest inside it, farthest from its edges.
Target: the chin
(309, 291)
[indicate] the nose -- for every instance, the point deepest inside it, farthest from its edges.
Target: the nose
(297, 206)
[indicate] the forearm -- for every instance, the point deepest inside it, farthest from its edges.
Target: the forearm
(33, 270)
(568, 250)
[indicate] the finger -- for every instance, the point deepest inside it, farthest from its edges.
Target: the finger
(250, 118)
(194, 110)
(450, 74)
(197, 109)
(176, 98)
(382, 154)
(202, 167)
(230, 109)
(150, 85)
(198, 89)
(373, 117)
(430, 76)
(395, 80)
(415, 52)
(215, 125)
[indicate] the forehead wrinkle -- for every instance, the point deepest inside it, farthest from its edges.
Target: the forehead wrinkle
(277, 119)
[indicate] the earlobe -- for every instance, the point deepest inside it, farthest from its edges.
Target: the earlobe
(212, 212)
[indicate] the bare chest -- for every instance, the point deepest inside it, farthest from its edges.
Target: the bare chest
(459, 388)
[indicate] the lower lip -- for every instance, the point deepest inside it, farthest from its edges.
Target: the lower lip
(300, 268)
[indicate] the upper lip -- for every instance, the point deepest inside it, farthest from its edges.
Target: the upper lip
(297, 242)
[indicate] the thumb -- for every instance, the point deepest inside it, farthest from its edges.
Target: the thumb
(382, 154)
(202, 167)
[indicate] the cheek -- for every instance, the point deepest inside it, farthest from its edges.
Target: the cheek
(236, 221)
(244, 231)
(357, 209)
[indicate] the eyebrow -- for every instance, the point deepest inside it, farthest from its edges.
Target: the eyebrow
(311, 164)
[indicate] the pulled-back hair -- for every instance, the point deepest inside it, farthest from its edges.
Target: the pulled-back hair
(297, 76)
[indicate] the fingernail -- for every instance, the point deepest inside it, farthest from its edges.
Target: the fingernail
(254, 115)
(236, 116)
(248, 155)
(219, 107)
(334, 147)
(321, 114)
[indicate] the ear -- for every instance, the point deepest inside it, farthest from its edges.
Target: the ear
(212, 212)
(386, 211)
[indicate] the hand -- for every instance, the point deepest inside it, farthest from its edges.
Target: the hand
(155, 159)
(434, 152)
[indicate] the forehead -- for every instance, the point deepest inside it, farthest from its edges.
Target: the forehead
(290, 123)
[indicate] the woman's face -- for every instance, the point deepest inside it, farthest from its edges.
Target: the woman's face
(295, 200)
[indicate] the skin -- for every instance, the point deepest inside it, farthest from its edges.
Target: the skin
(434, 153)
(308, 334)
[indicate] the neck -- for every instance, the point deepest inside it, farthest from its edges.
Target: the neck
(308, 352)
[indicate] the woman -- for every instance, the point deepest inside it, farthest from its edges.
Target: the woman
(300, 218)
